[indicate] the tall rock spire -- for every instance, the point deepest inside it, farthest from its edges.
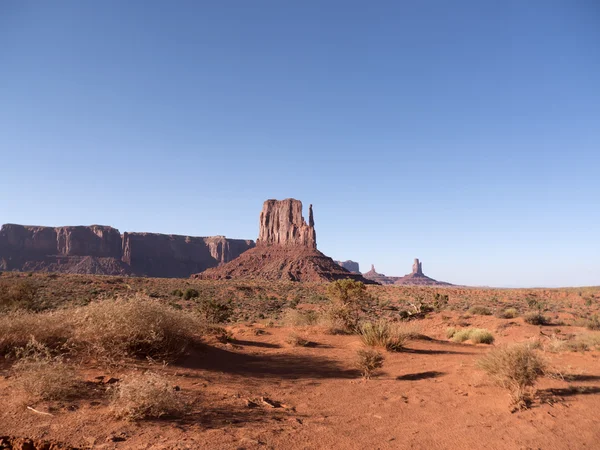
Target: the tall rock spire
(282, 223)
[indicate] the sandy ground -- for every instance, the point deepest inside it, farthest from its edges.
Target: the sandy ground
(430, 396)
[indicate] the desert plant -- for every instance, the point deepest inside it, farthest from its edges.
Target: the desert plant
(536, 318)
(349, 300)
(177, 293)
(593, 323)
(296, 340)
(450, 332)
(42, 375)
(480, 310)
(383, 334)
(475, 335)
(509, 313)
(147, 396)
(134, 327)
(21, 295)
(190, 293)
(369, 361)
(516, 368)
(440, 301)
(298, 317)
(214, 311)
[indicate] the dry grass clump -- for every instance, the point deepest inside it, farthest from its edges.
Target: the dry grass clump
(480, 310)
(43, 376)
(384, 334)
(509, 313)
(368, 361)
(52, 329)
(298, 317)
(147, 396)
(536, 318)
(593, 323)
(296, 340)
(516, 368)
(20, 295)
(135, 327)
(475, 335)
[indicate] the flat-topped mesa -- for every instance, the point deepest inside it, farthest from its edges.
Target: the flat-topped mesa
(417, 267)
(282, 224)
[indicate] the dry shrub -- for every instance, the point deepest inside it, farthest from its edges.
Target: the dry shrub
(450, 332)
(43, 376)
(349, 301)
(480, 310)
(536, 318)
(147, 396)
(52, 329)
(509, 313)
(298, 318)
(475, 335)
(384, 334)
(20, 295)
(368, 361)
(516, 368)
(593, 323)
(296, 340)
(135, 327)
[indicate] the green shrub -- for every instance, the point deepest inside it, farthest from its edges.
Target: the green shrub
(177, 293)
(214, 311)
(516, 368)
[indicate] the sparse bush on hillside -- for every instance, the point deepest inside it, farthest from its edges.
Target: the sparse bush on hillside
(509, 313)
(536, 318)
(214, 311)
(440, 301)
(349, 300)
(383, 334)
(298, 317)
(516, 368)
(20, 295)
(368, 361)
(177, 293)
(593, 323)
(480, 310)
(147, 396)
(190, 293)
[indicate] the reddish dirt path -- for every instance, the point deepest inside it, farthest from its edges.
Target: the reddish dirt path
(429, 397)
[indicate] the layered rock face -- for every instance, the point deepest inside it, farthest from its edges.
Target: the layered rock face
(282, 223)
(350, 266)
(162, 255)
(286, 250)
(102, 250)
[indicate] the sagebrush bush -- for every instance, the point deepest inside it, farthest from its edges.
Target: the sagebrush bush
(20, 295)
(349, 300)
(368, 361)
(190, 293)
(593, 323)
(516, 368)
(383, 334)
(147, 396)
(215, 311)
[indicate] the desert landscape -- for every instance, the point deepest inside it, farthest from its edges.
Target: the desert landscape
(281, 347)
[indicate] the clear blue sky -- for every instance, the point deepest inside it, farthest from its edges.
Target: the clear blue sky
(465, 133)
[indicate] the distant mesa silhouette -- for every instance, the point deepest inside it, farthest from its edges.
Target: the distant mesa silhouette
(415, 278)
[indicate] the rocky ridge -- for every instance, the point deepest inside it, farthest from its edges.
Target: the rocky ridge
(102, 250)
(415, 278)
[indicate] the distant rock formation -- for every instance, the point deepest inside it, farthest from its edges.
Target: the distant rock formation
(286, 250)
(350, 266)
(98, 249)
(415, 278)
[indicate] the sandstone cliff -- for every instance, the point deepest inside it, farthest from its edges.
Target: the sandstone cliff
(102, 250)
(286, 250)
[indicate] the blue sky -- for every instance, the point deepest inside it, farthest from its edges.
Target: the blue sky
(464, 133)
